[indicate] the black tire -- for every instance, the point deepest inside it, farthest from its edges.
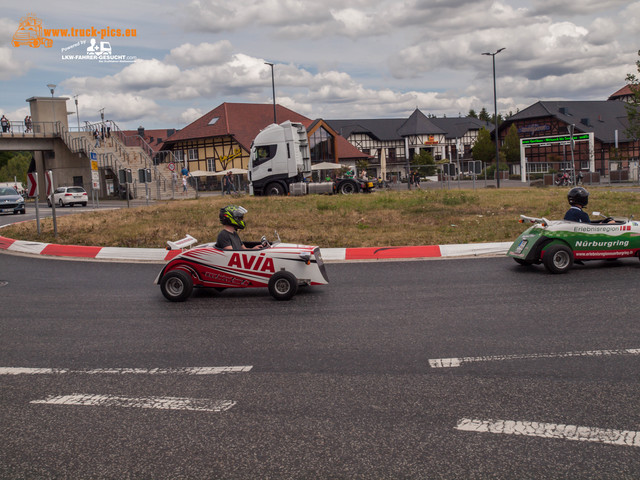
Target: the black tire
(176, 286)
(48, 202)
(558, 258)
(22, 212)
(274, 189)
(60, 203)
(347, 188)
(283, 285)
(84, 204)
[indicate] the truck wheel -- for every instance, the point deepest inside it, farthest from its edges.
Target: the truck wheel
(283, 285)
(558, 258)
(274, 189)
(176, 286)
(347, 188)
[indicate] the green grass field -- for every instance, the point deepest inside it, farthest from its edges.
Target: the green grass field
(380, 219)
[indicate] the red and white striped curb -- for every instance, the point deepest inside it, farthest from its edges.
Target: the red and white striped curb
(328, 254)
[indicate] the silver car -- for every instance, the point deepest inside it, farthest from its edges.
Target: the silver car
(11, 201)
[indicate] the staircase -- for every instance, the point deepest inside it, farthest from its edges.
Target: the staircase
(127, 152)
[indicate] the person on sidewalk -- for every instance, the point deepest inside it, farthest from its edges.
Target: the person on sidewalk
(229, 184)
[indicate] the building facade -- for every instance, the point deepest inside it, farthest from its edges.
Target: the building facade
(599, 129)
(392, 143)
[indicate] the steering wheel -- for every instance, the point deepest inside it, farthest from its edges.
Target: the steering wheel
(264, 242)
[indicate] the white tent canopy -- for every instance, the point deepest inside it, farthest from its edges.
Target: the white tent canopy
(327, 166)
(203, 173)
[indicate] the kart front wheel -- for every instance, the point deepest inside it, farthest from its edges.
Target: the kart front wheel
(558, 258)
(176, 286)
(283, 285)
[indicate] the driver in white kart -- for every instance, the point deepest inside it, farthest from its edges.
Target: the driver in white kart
(578, 199)
(232, 219)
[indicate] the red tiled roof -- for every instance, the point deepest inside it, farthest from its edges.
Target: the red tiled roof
(243, 121)
(155, 138)
(624, 91)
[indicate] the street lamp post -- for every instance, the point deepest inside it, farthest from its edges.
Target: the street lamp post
(75, 97)
(495, 110)
(273, 88)
(52, 89)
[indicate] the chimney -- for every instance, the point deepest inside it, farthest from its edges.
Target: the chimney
(141, 131)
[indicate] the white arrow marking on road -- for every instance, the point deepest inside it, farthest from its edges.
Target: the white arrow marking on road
(610, 436)
(456, 362)
(163, 403)
(122, 371)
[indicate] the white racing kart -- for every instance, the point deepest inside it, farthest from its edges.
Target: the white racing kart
(281, 267)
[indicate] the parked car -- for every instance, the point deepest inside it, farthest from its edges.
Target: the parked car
(71, 196)
(11, 201)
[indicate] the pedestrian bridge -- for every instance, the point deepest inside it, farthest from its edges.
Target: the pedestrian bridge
(75, 149)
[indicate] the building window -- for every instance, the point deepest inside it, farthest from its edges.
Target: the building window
(193, 154)
(179, 155)
(321, 146)
(391, 154)
(211, 165)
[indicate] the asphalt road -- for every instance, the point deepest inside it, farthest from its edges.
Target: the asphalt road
(340, 382)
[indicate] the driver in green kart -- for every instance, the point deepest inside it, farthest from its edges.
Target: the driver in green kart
(578, 199)
(232, 219)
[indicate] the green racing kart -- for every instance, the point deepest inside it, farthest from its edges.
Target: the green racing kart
(559, 243)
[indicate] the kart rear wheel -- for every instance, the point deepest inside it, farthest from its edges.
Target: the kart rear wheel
(283, 285)
(558, 258)
(176, 286)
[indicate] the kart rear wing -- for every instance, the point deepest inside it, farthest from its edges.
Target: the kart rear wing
(542, 221)
(182, 243)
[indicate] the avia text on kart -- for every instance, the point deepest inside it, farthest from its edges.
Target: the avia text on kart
(280, 267)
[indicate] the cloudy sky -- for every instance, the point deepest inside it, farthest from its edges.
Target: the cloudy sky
(333, 58)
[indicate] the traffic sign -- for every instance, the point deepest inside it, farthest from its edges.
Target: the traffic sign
(48, 175)
(32, 184)
(171, 166)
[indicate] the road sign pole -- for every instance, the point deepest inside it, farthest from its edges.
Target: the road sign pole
(35, 174)
(49, 175)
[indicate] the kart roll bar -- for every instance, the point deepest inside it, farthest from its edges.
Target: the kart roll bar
(543, 221)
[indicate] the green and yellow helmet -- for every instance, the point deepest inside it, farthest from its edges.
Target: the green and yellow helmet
(233, 215)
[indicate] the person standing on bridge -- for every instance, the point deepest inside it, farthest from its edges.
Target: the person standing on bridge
(4, 121)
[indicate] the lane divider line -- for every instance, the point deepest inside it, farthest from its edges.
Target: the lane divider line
(124, 371)
(628, 438)
(162, 403)
(456, 362)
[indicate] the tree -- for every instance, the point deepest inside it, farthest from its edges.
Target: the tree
(484, 115)
(14, 167)
(511, 146)
(633, 106)
(472, 113)
(484, 149)
(424, 163)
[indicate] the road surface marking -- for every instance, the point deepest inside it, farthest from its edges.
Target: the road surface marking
(610, 436)
(456, 362)
(122, 371)
(162, 403)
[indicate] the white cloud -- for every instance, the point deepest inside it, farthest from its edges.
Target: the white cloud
(188, 55)
(10, 66)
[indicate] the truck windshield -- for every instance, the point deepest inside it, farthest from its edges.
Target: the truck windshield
(264, 153)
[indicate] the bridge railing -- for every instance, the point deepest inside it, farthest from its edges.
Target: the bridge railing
(31, 129)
